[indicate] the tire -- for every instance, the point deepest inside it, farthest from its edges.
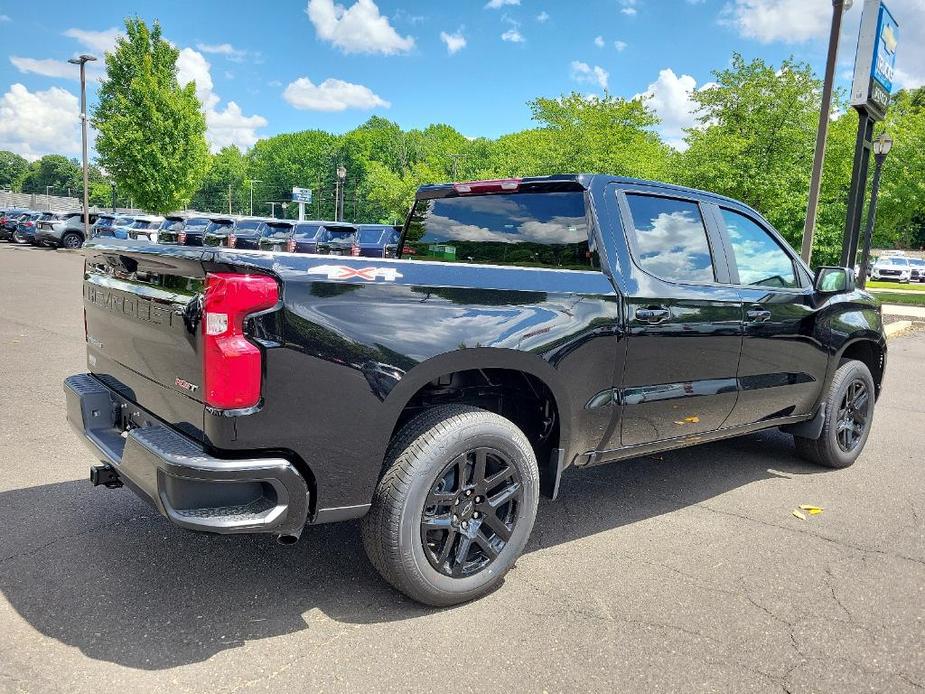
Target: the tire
(429, 456)
(830, 449)
(19, 238)
(71, 240)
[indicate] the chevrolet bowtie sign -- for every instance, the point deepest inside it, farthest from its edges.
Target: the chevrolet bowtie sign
(875, 62)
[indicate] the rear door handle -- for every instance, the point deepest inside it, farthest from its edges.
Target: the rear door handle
(758, 315)
(652, 314)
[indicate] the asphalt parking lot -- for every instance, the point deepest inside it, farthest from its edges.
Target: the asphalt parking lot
(678, 572)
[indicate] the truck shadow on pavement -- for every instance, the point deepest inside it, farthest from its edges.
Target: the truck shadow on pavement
(101, 571)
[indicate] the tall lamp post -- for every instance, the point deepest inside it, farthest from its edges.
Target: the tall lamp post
(339, 193)
(253, 181)
(839, 7)
(882, 146)
(82, 62)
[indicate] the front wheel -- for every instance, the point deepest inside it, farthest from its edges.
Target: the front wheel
(849, 413)
(455, 506)
(72, 240)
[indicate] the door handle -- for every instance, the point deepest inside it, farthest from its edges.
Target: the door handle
(652, 314)
(758, 315)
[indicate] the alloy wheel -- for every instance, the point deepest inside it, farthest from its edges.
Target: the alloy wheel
(852, 418)
(470, 512)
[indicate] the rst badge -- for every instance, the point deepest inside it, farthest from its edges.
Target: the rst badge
(345, 272)
(186, 385)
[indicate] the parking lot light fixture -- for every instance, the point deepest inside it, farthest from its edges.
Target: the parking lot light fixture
(82, 62)
(881, 146)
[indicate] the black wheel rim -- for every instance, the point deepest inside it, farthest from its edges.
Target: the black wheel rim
(470, 512)
(71, 242)
(851, 422)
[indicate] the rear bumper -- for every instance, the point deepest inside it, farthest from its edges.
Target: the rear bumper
(193, 489)
(47, 236)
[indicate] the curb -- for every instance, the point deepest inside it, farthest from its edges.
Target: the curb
(896, 328)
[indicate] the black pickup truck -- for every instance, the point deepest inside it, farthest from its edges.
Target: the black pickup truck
(528, 325)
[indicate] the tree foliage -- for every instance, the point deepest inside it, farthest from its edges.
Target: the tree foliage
(12, 168)
(151, 131)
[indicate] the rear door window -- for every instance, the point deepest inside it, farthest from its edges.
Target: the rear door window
(547, 229)
(306, 231)
(670, 238)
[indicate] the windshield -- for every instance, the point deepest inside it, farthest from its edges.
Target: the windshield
(123, 221)
(340, 234)
(172, 225)
(306, 231)
(219, 227)
(279, 231)
(916, 262)
(369, 235)
(248, 226)
(893, 261)
(104, 221)
(141, 224)
(196, 223)
(546, 229)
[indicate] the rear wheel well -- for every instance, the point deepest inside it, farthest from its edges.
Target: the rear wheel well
(869, 353)
(516, 395)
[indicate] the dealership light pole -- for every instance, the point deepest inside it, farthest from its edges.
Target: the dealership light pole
(253, 181)
(882, 146)
(839, 7)
(82, 61)
(339, 193)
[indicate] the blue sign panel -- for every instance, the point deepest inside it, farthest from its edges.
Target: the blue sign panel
(301, 195)
(884, 62)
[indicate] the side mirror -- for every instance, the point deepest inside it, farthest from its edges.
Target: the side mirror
(834, 280)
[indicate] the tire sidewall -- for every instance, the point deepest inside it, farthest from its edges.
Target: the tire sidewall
(847, 374)
(64, 241)
(483, 432)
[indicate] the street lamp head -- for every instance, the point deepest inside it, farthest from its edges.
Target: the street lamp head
(80, 60)
(883, 144)
(341, 172)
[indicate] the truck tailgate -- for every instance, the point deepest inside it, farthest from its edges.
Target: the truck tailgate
(143, 306)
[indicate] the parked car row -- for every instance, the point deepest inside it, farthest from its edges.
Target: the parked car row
(898, 267)
(325, 237)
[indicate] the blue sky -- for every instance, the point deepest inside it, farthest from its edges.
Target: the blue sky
(286, 65)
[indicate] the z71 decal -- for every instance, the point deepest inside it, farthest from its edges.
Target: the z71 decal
(344, 272)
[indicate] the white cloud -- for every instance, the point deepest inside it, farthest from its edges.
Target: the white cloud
(542, 17)
(331, 95)
(628, 7)
(232, 127)
(33, 124)
(670, 97)
(498, 4)
(359, 28)
(223, 127)
(582, 72)
(454, 42)
(47, 67)
(629, 11)
(513, 35)
(5, 18)
(100, 41)
(620, 46)
(791, 21)
(236, 55)
(599, 41)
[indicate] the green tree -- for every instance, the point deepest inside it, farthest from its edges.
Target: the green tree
(55, 174)
(755, 140)
(151, 131)
(227, 176)
(12, 168)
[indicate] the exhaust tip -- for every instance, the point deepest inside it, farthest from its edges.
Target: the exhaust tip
(287, 539)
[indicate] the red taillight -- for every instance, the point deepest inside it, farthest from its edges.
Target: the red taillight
(494, 186)
(232, 240)
(181, 238)
(354, 250)
(290, 246)
(232, 365)
(29, 224)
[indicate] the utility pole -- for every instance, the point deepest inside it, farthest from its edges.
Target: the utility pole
(229, 198)
(82, 62)
(273, 205)
(455, 158)
(113, 184)
(839, 7)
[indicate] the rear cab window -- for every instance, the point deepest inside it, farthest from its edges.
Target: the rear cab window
(306, 231)
(528, 229)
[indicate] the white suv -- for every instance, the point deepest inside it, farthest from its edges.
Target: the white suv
(892, 267)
